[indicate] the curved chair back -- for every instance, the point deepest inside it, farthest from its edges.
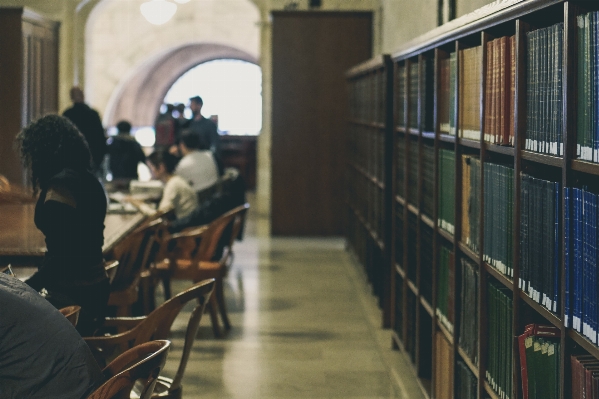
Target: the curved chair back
(156, 325)
(141, 363)
(111, 267)
(233, 230)
(211, 237)
(71, 313)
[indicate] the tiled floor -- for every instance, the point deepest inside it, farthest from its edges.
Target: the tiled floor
(304, 326)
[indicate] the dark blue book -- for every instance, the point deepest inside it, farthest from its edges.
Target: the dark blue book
(586, 260)
(593, 267)
(577, 263)
(567, 234)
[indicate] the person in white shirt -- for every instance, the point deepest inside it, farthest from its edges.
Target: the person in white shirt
(177, 193)
(197, 166)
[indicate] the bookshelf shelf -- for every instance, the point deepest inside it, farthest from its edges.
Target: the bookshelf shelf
(586, 167)
(490, 391)
(448, 80)
(553, 319)
(500, 149)
(583, 342)
(428, 221)
(468, 252)
(446, 235)
(469, 143)
(400, 271)
(412, 287)
(413, 209)
(498, 276)
(427, 306)
(447, 138)
(468, 362)
(543, 159)
(446, 333)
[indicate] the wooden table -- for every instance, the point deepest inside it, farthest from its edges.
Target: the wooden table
(21, 243)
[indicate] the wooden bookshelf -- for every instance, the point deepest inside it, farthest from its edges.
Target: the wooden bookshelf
(414, 80)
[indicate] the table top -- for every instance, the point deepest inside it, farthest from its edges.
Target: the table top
(20, 237)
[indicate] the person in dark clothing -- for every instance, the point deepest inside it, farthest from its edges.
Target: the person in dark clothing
(70, 212)
(125, 153)
(206, 129)
(89, 124)
(165, 127)
(42, 356)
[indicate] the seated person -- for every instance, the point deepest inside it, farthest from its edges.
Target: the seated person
(41, 353)
(70, 212)
(177, 193)
(125, 153)
(197, 166)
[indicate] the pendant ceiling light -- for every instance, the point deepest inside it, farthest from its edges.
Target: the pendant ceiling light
(158, 12)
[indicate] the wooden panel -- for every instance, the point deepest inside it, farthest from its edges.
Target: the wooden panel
(28, 79)
(311, 53)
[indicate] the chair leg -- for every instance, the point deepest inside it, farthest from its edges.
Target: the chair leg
(166, 284)
(212, 308)
(220, 298)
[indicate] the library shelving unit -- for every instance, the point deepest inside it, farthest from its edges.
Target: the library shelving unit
(466, 150)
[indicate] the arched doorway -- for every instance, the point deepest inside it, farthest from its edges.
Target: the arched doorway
(139, 96)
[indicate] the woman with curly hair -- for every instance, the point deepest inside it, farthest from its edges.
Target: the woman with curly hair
(70, 212)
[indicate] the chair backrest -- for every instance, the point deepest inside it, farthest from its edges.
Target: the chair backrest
(213, 234)
(157, 324)
(232, 231)
(141, 363)
(111, 267)
(4, 184)
(133, 253)
(71, 313)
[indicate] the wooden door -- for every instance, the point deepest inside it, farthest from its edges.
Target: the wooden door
(311, 53)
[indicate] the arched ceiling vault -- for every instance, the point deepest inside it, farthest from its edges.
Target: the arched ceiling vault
(140, 96)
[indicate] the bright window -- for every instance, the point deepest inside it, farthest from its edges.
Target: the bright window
(230, 89)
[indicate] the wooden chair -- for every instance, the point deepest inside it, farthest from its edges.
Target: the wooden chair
(71, 313)
(142, 363)
(111, 267)
(134, 255)
(197, 263)
(156, 325)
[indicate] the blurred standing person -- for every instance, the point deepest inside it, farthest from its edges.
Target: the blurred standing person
(125, 153)
(89, 124)
(165, 128)
(70, 212)
(182, 123)
(206, 129)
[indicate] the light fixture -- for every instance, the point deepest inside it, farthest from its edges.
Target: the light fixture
(158, 12)
(182, 1)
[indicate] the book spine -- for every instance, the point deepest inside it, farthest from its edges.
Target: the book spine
(567, 265)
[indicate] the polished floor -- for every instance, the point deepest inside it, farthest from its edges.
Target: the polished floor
(304, 326)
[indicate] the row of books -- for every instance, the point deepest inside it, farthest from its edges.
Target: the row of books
(446, 190)
(428, 179)
(445, 295)
(499, 356)
(367, 98)
(539, 240)
(413, 157)
(539, 352)
(585, 377)
(500, 91)
(544, 130)
(426, 262)
(581, 240)
(412, 267)
(425, 91)
(471, 202)
(366, 149)
(468, 339)
(498, 217)
(367, 199)
(400, 168)
(587, 132)
(399, 224)
(466, 382)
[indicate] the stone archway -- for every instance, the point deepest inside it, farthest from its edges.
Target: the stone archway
(139, 96)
